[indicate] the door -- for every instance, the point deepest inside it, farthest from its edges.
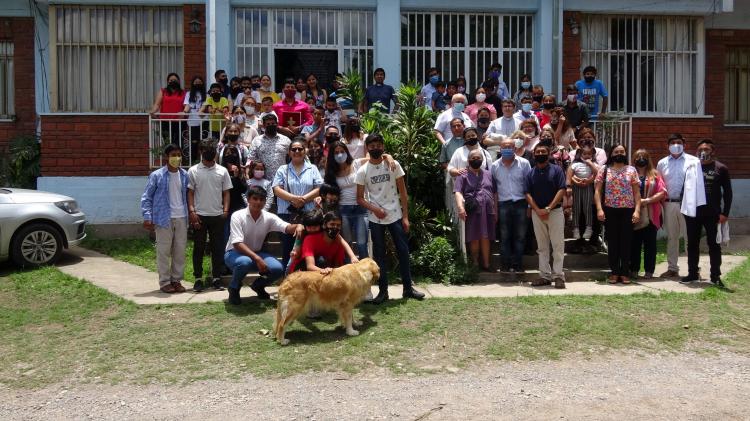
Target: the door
(294, 63)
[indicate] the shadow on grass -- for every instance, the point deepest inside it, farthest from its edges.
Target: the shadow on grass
(250, 306)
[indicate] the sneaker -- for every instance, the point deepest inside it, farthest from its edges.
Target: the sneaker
(262, 294)
(689, 279)
(234, 297)
(576, 233)
(587, 233)
(413, 293)
(198, 285)
(717, 281)
(216, 283)
(178, 287)
(648, 275)
(559, 283)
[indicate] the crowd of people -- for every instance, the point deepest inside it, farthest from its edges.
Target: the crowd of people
(522, 168)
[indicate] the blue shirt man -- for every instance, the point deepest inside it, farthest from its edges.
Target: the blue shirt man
(590, 89)
(379, 93)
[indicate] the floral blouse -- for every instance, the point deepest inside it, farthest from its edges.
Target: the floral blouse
(618, 191)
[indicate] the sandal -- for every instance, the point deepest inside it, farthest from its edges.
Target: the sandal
(612, 279)
(541, 282)
(168, 289)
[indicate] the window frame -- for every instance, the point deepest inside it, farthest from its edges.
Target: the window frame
(7, 92)
(728, 91)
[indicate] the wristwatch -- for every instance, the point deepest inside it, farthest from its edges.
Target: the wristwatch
(548, 209)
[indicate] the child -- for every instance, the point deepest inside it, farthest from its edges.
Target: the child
(438, 98)
(580, 183)
(333, 115)
(313, 223)
(256, 172)
(329, 197)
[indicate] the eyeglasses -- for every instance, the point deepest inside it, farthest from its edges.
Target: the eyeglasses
(297, 149)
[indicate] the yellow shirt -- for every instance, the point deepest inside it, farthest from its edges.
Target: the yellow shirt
(217, 117)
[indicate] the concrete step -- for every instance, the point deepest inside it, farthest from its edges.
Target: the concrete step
(571, 275)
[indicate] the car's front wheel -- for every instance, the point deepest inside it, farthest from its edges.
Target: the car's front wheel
(36, 245)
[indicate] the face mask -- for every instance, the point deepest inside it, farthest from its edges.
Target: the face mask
(541, 159)
(572, 97)
(375, 153)
(258, 174)
(256, 86)
(475, 163)
(526, 107)
(587, 144)
(175, 161)
(519, 143)
(434, 79)
(494, 74)
(525, 85)
(197, 87)
(216, 96)
(471, 142)
(641, 162)
(289, 93)
(548, 106)
(507, 154)
(332, 138)
(209, 155)
(537, 98)
(619, 159)
(675, 149)
(546, 141)
(481, 97)
(355, 128)
(332, 232)
(249, 109)
(174, 85)
(704, 156)
(483, 120)
(239, 119)
(459, 107)
(271, 130)
(340, 158)
(231, 137)
(588, 79)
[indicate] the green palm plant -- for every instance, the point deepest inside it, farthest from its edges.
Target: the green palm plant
(352, 88)
(21, 165)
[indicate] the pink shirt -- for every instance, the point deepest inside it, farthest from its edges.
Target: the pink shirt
(296, 106)
(473, 109)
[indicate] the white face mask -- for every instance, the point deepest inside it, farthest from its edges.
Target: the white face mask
(572, 98)
(675, 149)
(250, 110)
(519, 143)
(481, 97)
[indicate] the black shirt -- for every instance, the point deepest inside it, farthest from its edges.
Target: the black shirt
(576, 115)
(544, 183)
(718, 187)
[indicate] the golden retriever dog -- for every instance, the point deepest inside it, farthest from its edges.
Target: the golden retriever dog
(341, 290)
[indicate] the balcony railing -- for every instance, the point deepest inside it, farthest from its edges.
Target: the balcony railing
(182, 130)
(613, 130)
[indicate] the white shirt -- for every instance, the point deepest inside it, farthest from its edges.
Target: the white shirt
(241, 96)
(176, 208)
(520, 118)
(460, 159)
(244, 229)
(348, 186)
(503, 125)
(356, 147)
(208, 183)
(600, 155)
(194, 119)
(426, 95)
(443, 122)
(381, 189)
(672, 171)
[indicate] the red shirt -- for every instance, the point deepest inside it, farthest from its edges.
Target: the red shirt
(315, 245)
(172, 103)
(296, 107)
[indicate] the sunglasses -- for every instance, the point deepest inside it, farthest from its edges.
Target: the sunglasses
(297, 149)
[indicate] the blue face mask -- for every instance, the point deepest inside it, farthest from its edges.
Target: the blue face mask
(494, 74)
(507, 153)
(525, 85)
(434, 79)
(458, 107)
(526, 107)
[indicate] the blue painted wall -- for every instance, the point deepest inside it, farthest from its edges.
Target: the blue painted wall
(104, 200)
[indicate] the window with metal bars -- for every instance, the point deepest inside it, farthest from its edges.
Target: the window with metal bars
(737, 86)
(6, 81)
(466, 44)
(112, 58)
(649, 64)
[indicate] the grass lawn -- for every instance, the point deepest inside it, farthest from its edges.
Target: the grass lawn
(57, 328)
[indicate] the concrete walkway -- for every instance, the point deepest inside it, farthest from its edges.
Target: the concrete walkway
(139, 285)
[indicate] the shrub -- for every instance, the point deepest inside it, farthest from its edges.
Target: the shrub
(438, 261)
(20, 166)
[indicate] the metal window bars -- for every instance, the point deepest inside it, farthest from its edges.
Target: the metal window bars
(185, 131)
(7, 110)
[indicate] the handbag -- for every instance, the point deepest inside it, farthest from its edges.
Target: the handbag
(645, 211)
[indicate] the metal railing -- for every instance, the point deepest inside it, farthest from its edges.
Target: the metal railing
(182, 130)
(613, 130)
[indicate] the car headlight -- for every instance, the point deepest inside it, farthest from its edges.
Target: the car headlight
(69, 206)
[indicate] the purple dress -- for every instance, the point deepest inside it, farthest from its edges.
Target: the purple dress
(481, 223)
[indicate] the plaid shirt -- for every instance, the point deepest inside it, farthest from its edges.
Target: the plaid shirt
(155, 199)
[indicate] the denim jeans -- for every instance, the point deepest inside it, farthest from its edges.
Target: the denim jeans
(241, 265)
(512, 221)
(287, 241)
(354, 227)
(377, 231)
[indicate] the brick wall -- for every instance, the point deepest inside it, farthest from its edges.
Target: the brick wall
(652, 133)
(99, 145)
(733, 143)
(20, 31)
(571, 62)
(194, 45)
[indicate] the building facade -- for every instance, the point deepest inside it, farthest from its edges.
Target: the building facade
(83, 74)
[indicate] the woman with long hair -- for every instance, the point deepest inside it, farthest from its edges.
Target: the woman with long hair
(196, 124)
(653, 192)
(564, 134)
(354, 138)
(168, 106)
(314, 91)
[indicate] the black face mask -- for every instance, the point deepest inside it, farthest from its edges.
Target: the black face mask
(537, 98)
(231, 137)
(332, 232)
(174, 85)
(546, 142)
(548, 106)
(271, 130)
(216, 96)
(471, 142)
(475, 163)
(376, 153)
(641, 162)
(209, 155)
(619, 159)
(332, 138)
(198, 88)
(588, 79)
(231, 160)
(256, 86)
(483, 120)
(541, 159)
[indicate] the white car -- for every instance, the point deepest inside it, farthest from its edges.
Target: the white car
(36, 226)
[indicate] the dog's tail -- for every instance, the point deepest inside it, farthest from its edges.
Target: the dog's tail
(282, 310)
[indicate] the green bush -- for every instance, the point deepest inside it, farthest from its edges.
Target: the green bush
(20, 165)
(439, 261)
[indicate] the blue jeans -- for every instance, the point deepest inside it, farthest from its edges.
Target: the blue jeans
(354, 227)
(287, 241)
(512, 221)
(377, 231)
(241, 265)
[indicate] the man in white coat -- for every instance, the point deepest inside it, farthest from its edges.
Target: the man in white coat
(685, 192)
